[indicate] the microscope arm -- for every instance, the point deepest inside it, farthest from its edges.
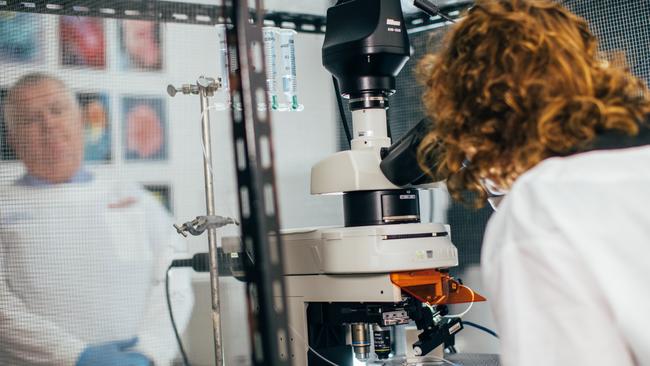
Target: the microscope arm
(443, 333)
(436, 329)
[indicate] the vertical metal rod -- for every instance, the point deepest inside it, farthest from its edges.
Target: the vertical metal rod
(212, 232)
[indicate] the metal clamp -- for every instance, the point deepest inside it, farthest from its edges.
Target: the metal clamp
(205, 84)
(200, 224)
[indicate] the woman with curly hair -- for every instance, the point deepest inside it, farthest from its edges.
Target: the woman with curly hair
(522, 104)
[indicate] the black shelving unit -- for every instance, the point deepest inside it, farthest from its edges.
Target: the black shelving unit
(188, 13)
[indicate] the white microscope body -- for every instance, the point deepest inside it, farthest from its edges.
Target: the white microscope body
(354, 264)
(350, 287)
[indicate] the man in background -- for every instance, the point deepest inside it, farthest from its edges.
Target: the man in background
(82, 261)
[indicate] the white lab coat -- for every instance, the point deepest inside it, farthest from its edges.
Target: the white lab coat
(566, 261)
(83, 263)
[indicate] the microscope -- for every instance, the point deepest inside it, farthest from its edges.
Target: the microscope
(376, 289)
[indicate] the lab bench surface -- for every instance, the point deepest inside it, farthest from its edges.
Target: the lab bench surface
(473, 359)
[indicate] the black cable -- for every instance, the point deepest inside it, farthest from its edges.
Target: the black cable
(200, 262)
(432, 9)
(480, 327)
(344, 119)
(446, 17)
(388, 131)
(186, 362)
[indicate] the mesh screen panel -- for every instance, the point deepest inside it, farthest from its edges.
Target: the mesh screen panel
(623, 28)
(97, 161)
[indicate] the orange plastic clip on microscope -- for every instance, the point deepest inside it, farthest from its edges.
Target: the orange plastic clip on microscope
(434, 287)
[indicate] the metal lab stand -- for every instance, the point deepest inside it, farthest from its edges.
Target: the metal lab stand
(205, 88)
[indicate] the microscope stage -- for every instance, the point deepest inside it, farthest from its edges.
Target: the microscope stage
(368, 249)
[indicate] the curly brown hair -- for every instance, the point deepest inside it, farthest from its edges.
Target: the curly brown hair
(519, 81)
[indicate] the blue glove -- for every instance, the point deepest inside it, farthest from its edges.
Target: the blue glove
(114, 353)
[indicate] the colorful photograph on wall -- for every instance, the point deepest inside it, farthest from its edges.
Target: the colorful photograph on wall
(6, 152)
(162, 192)
(95, 110)
(140, 45)
(144, 128)
(20, 37)
(82, 42)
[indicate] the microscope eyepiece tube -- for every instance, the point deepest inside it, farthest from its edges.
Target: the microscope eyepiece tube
(400, 163)
(360, 340)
